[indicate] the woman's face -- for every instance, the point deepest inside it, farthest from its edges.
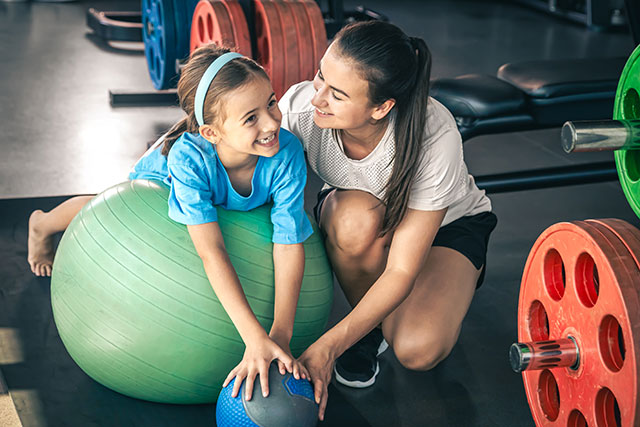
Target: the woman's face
(342, 95)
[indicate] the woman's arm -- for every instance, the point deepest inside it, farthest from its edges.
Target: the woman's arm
(409, 248)
(260, 349)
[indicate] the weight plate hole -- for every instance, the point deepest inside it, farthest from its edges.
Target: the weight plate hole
(607, 409)
(554, 275)
(157, 67)
(209, 28)
(548, 395)
(200, 29)
(538, 322)
(611, 343)
(632, 163)
(576, 419)
(631, 104)
(630, 111)
(262, 42)
(587, 280)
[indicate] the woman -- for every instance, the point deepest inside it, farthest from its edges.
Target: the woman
(406, 228)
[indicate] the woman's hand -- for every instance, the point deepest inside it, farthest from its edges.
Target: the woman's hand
(299, 371)
(318, 359)
(258, 355)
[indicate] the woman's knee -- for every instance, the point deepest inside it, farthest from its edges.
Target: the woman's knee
(422, 354)
(353, 225)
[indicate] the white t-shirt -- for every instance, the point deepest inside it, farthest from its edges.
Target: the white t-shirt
(441, 181)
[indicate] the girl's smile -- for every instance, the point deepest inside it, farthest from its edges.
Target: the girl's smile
(268, 141)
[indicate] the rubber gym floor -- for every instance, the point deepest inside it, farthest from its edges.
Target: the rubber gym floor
(60, 137)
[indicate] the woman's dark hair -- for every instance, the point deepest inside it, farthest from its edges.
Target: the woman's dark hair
(234, 74)
(398, 67)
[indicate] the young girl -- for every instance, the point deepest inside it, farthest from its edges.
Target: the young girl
(229, 151)
(406, 228)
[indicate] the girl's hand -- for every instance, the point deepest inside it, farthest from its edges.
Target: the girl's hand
(299, 371)
(318, 361)
(257, 357)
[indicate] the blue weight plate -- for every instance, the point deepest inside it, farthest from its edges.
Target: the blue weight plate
(183, 15)
(159, 36)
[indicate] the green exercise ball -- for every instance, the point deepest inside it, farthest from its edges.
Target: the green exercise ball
(134, 307)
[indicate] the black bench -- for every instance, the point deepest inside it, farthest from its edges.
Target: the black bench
(531, 95)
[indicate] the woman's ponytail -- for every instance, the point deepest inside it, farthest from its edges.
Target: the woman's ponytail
(409, 133)
(396, 67)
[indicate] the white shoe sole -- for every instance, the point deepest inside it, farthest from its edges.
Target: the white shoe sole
(382, 347)
(363, 384)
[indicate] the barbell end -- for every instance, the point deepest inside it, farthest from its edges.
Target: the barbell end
(568, 137)
(600, 135)
(519, 357)
(547, 354)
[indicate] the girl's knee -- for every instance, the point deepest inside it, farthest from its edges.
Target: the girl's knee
(421, 354)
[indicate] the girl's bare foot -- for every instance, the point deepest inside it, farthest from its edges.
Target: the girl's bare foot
(39, 246)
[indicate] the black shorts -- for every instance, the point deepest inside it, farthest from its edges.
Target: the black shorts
(468, 235)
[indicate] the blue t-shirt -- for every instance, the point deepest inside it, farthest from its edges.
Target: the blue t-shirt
(199, 182)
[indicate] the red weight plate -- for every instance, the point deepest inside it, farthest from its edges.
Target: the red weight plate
(291, 49)
(239, 26)
(211, 23)
(576, 283)
(201, 25)
(305, 41)
(270, 44)
(616, 347)
(227, 38)
(627, 233)
(318, 30)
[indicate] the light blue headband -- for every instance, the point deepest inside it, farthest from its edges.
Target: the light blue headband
(205, 82)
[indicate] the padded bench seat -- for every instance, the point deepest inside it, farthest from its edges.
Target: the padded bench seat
(531, 95)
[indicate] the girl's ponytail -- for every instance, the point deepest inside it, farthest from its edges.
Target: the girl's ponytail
(173, 134)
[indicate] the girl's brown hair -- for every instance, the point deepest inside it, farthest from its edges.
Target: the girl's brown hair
(233, 75)
(398, 67)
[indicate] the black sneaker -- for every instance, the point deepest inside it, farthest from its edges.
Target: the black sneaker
(358, 366)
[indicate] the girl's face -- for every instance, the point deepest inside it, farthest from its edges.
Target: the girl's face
(342, 96)
(251, 125)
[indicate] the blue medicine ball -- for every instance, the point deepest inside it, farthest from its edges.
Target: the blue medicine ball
(290, 404)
